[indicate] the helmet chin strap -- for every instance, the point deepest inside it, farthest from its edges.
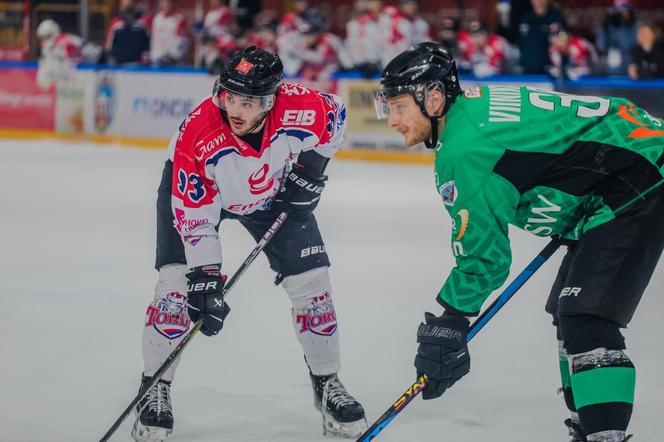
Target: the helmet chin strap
(258, 123)
(431, 143)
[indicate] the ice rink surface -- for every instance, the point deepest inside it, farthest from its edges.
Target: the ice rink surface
(77, 253)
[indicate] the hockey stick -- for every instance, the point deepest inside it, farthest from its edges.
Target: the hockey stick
(197, 325)
(413, 390)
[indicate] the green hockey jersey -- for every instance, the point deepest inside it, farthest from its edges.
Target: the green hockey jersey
(546, 162)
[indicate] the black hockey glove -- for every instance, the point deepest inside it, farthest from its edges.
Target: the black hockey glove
(300, 193)
(443, 352)
(205, 292)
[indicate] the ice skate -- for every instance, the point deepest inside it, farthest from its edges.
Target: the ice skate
(576, 433)
(342, 414)
(154, 416)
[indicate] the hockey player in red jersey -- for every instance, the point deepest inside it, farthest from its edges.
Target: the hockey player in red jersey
(255, 148)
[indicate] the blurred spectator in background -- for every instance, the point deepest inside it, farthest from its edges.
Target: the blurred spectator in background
(264, 36)
(480, 52)
(419, 27)
(216, 51)
(404, 28)
(509, 14)
(319, 52)
(169, 42)
(571, 57)
(448, 35)
(534, 31)
(365, 36)
(616, 39)
(128, 36)
(220, 20)
(245, 12)
(648, 61)
(291, 20)
(59, 53)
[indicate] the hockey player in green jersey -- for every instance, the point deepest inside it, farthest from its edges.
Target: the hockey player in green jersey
(590, 169)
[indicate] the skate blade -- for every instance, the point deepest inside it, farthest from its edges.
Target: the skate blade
(141, 433)
(351, 430)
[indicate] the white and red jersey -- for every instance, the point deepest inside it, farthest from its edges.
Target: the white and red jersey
(219, 22)
(290, 22)
(214, 170)
(59, 57)
(168, 38)
(482, 60)
(580, 57)
(254, 38)
(63, 47)
(365, 39)
(321, 61)
(401, 33)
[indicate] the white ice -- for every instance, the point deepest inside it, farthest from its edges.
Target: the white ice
(77, 252)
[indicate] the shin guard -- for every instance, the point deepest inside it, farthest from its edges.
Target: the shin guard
(166, 319)
(315, 319)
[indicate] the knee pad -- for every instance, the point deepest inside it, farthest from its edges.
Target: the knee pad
(166, 319)
(583, 333)
(315, 319)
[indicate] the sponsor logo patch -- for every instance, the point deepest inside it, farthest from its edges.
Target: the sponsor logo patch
(184, 225)
(320, 319)
(448, 192)
(460, 228)
(294, 117)
(473, 92)
(169, 316)
(244, 67)
(258, 182)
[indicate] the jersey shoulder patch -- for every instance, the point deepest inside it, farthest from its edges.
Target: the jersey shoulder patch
(473, 92)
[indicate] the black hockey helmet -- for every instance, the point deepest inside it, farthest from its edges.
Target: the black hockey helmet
(417, 71)
(252, 72)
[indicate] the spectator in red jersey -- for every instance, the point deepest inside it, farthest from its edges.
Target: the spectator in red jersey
(365, 36)
(60, 52)
(291, 20)
(128, 36)
(481, 52)
(169, 42)
(571, 56)
(648, 61)
(319, 53)
(220, 20)
(264, 37)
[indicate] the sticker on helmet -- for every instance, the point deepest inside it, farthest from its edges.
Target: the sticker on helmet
(244, 67)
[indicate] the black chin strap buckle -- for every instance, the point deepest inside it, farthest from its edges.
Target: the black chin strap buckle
(431, 143)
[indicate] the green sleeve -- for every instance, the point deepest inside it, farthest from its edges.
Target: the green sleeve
(480, 244)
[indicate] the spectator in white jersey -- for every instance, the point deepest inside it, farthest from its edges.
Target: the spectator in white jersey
(219, 20)
(365, 36)
(169, 42)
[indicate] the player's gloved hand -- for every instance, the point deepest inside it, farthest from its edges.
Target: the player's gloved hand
(300, 193)
(442, 353)
(205, 298)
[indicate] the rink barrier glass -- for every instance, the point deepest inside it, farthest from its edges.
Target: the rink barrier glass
(140, 108)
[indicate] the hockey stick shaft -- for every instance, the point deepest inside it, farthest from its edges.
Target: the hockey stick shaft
(197, 326)
(414, 389)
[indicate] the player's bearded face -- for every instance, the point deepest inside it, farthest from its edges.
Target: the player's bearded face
(243, 112)
(406, 118)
